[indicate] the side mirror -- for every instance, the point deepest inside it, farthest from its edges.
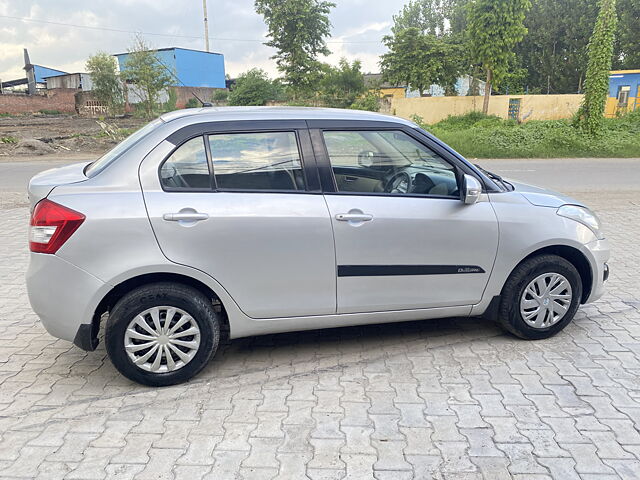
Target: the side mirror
(471, 190)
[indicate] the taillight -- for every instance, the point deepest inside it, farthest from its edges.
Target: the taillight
(51, 226)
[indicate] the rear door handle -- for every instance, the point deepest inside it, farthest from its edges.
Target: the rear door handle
(354, 217)
(185, 217)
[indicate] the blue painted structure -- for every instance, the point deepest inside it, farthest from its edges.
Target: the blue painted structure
(190, 68)
(42, 72)
(627, 82)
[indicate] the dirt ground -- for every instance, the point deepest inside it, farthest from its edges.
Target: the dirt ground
(35, 135)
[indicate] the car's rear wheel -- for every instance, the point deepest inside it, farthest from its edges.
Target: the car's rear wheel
(540, 297)
(162, 334)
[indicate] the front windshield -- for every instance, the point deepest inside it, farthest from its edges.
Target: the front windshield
(97, 166)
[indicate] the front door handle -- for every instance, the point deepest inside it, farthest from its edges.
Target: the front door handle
(185, 217)
(354, 217)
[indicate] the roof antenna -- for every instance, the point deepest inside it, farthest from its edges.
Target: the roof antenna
(204, 104)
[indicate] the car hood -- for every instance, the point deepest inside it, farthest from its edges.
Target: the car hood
(41, 185)
(542, 197)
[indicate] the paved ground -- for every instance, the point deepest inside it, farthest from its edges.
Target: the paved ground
(454, 399)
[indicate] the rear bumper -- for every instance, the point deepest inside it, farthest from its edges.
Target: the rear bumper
(65, 298)
(599, 255)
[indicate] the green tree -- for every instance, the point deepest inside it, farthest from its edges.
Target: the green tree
(627, 49)
(428, 16)
(554, 51)
(341, 85)
(369, 101)
(495, 28)
(107, 88)
(254, 88)
(297, 30)
(590, 116)
(144, 69)
(418, 59)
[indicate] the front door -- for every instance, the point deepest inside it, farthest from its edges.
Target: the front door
(253, 225)
(403, 238)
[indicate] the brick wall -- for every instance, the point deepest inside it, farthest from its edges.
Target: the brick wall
(61, 99)
(183, 94)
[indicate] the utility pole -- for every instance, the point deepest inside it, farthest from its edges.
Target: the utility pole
(206, 25)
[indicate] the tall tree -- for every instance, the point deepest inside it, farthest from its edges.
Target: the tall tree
(297, 30)
(591, 114)
(554, 51)
(627, 48)
(418, 60)
(495, 28)
(144, 69)
(107, 88)
(426, 15)
(422, 50)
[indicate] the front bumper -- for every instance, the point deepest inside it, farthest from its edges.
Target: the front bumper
(599, 255)
(65, 298)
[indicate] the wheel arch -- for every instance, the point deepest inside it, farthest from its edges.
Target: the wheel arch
(124, 287)
(573, 256)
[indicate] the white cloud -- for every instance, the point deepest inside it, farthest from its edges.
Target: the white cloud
(362, 22)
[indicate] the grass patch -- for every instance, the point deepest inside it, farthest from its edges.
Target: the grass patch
(5, 114)
(50, 112)
(10, 140)
(476, 135)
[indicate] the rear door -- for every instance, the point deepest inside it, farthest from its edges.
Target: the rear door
(237, 203)
(403, 238)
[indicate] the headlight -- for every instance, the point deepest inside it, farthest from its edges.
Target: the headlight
(584, 216)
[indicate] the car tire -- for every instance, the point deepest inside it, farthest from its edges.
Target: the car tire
(187, 333)
(519, 300)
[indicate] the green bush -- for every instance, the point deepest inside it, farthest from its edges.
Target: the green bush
(475, 135)
(254, 88)
(8, 139)
(221, 95)
(192, 103)
(369, 101)
(50, 112)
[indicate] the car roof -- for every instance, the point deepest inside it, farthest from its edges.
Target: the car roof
(222, 114)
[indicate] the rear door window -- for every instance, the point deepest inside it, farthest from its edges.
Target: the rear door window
(257, 161)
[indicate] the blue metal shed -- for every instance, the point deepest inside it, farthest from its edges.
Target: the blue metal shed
(41, 73)
(190, 68)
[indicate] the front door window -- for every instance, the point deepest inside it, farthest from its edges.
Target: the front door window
(386, 161)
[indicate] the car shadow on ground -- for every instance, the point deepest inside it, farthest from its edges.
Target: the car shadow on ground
(312, 351)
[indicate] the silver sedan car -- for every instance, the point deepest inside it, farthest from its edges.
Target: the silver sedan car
(218, 223)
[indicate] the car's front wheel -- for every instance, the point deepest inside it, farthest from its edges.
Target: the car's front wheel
(162, 334)
(540, 297)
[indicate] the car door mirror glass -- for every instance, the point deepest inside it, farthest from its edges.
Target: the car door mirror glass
(471, 190)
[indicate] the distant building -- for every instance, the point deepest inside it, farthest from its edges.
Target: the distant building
(189, 68)
(387, 90)
(40, 74)
(44, 72)
(463, 85)
(624, 92)
(79, 81)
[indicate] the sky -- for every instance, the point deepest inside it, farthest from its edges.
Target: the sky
(235, 30)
